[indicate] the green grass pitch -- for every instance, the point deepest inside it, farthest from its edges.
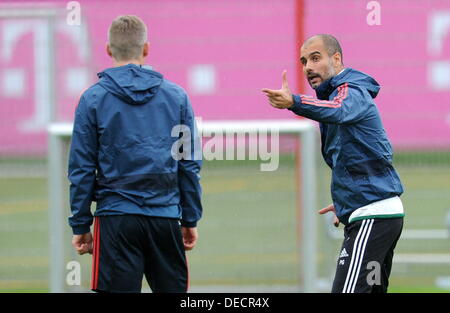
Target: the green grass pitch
(248, 233)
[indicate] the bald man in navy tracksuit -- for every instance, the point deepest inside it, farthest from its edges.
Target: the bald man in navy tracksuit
(365, 187)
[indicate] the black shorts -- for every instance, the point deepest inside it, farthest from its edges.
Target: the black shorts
(365, 259)
(127, 247)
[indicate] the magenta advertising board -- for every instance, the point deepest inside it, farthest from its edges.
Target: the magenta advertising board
(407, 52)
(223, 52)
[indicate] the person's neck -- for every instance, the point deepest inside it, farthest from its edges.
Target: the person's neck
(339, 70)
(122, 63)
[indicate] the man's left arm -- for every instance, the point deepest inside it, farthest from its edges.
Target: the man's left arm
(189, 167)
(82, 171)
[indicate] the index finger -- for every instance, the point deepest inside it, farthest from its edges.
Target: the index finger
(272, 93)
(327, 209)
(269, 91)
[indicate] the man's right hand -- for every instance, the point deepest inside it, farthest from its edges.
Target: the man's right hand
(83, 243)
(190, 236)
(281, 98)
(332, 209)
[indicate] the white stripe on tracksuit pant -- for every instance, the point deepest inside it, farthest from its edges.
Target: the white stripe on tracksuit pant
(367, 241)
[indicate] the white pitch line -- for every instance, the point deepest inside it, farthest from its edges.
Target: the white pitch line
(425, 234)
(422, 258)
(407, 234)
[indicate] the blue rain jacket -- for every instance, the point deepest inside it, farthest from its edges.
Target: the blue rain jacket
(121, 154)
(354, 143)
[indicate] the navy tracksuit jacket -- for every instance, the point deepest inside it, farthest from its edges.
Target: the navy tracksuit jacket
(121, 150)
(354, 143)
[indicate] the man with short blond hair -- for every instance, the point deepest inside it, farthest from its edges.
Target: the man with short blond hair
(121, 156)
(127, 36)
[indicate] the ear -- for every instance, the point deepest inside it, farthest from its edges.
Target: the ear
(146, 49)
(108, 50)
(337, 58)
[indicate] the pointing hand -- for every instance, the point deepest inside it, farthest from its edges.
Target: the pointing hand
(281, 98)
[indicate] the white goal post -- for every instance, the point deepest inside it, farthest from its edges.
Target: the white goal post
(58, 143)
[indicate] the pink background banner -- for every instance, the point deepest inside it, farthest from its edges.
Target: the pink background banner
(223, 52)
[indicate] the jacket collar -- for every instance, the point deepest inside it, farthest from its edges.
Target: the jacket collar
(325, 89)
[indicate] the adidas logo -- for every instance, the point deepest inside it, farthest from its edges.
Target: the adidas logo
(343, 254)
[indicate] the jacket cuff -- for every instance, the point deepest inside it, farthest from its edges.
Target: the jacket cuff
(188, 224)
(80, 230)
(296, 107)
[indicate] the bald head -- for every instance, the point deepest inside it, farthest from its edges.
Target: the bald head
(321, 57)
(330, 43)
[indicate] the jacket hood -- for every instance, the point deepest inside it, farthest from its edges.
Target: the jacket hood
(132, 83)
(351, 76)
